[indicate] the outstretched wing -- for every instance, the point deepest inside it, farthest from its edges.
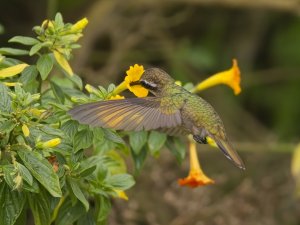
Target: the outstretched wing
(132, 114)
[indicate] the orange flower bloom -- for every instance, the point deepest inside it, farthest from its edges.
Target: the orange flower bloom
(229, 77)
(196, 176)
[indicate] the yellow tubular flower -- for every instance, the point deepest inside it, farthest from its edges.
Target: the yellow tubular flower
(133, 74)
(122, 194)
(196, 176)
(116, 97)
(229, 77)
(25, 130)
(51, 143)
(80, 25)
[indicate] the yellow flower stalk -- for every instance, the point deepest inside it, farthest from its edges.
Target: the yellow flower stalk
(122, 194)
(25, 130)
(51, 143)
(80, 25)
(196, 176)
(61, 60)
(229, 77)
(12, 70)
(133, 74)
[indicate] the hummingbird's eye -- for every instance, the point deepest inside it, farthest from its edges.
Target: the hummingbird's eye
(148, 85)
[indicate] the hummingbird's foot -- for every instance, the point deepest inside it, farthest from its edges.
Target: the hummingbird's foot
(200, 139)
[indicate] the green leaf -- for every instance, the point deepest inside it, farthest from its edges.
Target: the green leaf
(87, 219)
(156, 141)
(9, 175)
(83, 139)
(137, 140)
(70, 128)
(58, 93)
(104, 205)
(34, 49)
(177, 147)
(40, 207)
(12, 204)
(5, 102)
(25, 174)
(24, 40)
(13, 51)
(42, 170)
(139, 159)
(120, 181)
(113, 136)
(45, 65)
(68, 214)
(78, 193)
(76, 80)
(28, 79)
(59, 20)
(7, 126)
(88, 165)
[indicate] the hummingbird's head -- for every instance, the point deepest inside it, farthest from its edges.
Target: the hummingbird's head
(155, 79)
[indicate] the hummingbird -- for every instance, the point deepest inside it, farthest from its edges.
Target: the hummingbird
(172, 109)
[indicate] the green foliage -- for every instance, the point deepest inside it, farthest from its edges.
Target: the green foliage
(60, 170)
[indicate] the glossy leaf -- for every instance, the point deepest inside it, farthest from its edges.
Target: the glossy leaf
(24, 40)
(78, 193)
(44, 65)
(12, 204)
(137, 140)
(156, 141)
(5, 101)
(42, 170)
(83, 139)
(40, 207)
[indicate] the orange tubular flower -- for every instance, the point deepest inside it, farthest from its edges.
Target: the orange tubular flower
(229, 77)
(196, 176)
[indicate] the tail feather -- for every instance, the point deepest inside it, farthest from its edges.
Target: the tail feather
(229, 152)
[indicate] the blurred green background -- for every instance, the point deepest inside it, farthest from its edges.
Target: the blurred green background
(192, 39)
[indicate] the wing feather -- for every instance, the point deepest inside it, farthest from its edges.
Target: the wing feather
(128, 114)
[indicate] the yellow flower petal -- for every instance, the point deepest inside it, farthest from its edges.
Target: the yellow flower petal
(122, 194)
(61, 60)
(134, 74)
(80, 25)
(51, 143)
(116, 97)
(229, 77)
(12, 70)
(25, 130)
(196, 176)
(12, 84)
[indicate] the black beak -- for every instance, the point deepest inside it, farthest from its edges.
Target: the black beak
(135, 83)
